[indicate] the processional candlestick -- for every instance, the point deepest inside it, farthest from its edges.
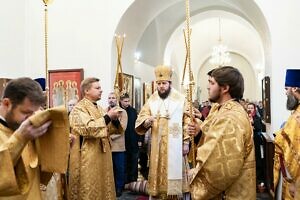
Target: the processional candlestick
(190, 83)
(46, 2)
(119, 80)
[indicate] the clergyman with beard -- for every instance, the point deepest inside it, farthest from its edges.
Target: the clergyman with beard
(225, 158)
(19, 169)
(287, 143)
(164, 114)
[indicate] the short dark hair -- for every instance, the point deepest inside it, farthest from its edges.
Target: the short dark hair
(210, 72)
(124, 96)
(232, 77)
(251, 103)
(87, 83)
(19, 89)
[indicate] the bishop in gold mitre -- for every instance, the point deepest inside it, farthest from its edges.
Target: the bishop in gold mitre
(164, 114)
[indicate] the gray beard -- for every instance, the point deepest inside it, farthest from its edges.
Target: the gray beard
(291, 102)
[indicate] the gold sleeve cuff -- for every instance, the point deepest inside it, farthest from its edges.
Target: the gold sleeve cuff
(139, 126)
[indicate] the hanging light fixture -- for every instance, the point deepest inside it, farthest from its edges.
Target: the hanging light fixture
(220, 55)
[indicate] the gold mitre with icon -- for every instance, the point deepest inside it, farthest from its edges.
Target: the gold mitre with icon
(163, 73)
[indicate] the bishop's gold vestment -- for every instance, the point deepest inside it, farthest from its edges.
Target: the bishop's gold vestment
(91, 170)
(168, 167)
(287, 151)
(225, 157)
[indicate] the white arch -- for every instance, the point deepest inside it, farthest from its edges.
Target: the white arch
(149, 26)
(235, 30)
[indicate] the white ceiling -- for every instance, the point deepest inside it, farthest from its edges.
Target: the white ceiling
(154, 28)
(236, 33)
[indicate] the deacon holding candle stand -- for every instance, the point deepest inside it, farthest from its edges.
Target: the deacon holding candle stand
(225, 161)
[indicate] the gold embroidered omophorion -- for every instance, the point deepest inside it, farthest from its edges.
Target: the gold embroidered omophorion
(167, 135)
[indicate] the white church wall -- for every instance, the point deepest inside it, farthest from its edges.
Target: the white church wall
(251, 90)
(12, 38)
(144, 71)
(282, 18)
(80, 36)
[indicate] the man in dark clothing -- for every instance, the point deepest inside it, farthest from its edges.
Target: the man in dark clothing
(259, 143)
(132, 140)
(260, 109)
(205, 110)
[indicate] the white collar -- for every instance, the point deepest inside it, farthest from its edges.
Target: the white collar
(2, 118)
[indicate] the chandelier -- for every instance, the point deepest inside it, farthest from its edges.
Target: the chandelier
(220, 55)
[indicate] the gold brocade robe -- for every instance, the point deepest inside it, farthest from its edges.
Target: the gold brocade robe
(225, 157)
(91, 170)
(158, 170)
(287, 145)
(19, 170)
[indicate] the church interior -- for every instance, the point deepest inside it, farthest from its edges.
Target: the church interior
(260, 38)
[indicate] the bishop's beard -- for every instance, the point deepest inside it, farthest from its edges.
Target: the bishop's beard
(165, 94)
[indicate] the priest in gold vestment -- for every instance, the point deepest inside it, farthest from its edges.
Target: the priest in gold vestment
(20, 175)
(163, 112)
(225, 158)
(91, 169)
(287, 143)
